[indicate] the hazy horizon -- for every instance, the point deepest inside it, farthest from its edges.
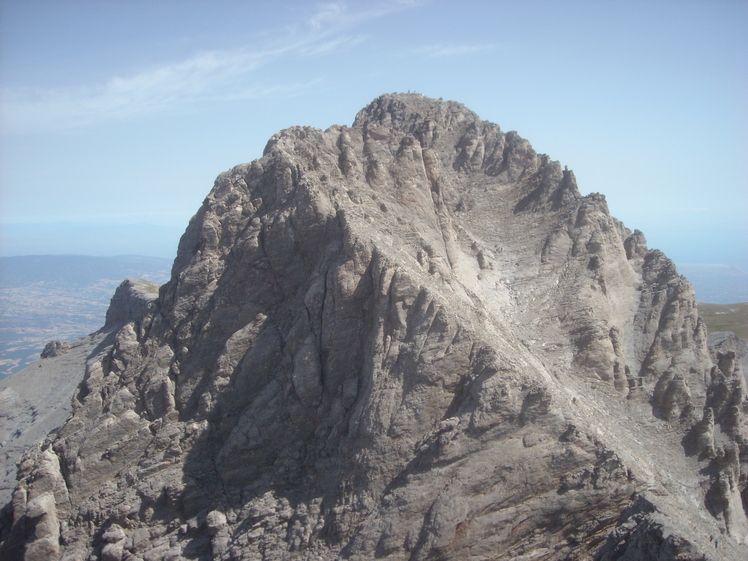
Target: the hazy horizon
(100, 240)
(117, 117)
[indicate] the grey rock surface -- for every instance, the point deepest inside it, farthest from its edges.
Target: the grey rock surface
(53, 349)
(37, 401)
(411, 338)
(129, 301)
(725, 341)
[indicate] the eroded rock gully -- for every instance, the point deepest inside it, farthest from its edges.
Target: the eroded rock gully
(411, 338)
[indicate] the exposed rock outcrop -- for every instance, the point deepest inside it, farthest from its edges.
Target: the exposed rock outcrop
(36, 401)
(411, 338)
(725, 341)
(54, 348)
(130, 301)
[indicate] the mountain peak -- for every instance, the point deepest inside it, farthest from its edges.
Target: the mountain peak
(410, 338)
(402, 110)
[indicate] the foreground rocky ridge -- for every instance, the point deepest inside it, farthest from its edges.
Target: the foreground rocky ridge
(36, 401)
(408, 339)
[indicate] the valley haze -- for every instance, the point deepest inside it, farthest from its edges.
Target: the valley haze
(115, 115)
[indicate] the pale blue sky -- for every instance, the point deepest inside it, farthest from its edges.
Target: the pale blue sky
(116, 116)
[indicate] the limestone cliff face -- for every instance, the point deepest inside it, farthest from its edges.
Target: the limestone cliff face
(411, 338)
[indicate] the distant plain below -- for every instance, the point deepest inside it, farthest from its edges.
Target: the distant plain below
(60, 297)
(64, 297)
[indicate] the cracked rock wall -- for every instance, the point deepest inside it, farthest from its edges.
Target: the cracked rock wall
(411, 338)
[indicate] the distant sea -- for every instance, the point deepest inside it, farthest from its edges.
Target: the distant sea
(61, 238)
(715, 283)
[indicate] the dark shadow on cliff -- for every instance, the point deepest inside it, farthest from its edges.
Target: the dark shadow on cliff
(12, 537)
(273, 434)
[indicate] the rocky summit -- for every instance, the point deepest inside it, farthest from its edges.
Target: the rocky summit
(411, 338)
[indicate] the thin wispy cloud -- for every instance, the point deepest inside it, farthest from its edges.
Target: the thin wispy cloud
(440, 50)
(333, 15)
(207, 77)
(336, 44)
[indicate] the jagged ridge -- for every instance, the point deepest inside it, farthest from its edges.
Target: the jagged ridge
(411, 338)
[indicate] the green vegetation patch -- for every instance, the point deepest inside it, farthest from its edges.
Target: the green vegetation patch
(726, 317)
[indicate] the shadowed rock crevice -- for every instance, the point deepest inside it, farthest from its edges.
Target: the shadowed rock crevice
(411, 338)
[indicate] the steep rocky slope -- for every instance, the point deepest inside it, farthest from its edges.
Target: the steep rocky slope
(411, 338)
(36, 401)
(725, 342)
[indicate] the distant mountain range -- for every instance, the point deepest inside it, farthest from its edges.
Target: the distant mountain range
(63, 297)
